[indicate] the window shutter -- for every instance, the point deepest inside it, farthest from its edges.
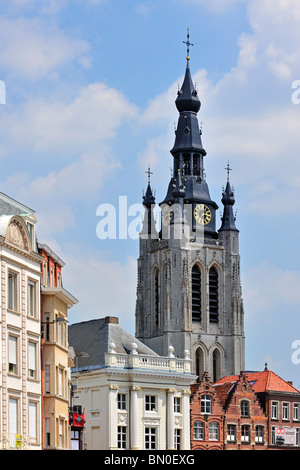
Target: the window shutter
(32, 425)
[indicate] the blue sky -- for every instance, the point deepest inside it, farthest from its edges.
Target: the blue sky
(91, 86)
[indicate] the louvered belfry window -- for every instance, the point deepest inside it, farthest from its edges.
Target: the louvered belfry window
(196, 293)
(213, 295)
(156, 298)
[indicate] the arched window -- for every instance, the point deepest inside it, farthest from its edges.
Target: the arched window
(199, 363)
(156, 298)
(216, 365)
(196, 293)
(213, 295)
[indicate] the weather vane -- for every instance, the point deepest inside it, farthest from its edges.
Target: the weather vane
(188, 44)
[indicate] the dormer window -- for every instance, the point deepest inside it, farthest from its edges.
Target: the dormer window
(31, 235)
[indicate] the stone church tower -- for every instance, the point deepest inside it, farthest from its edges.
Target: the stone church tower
(189, 292)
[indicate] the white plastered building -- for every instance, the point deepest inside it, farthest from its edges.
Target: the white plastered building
(132, 398)
(20, 329)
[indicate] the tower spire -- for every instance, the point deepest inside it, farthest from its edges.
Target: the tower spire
(228, 200)
(148, 228)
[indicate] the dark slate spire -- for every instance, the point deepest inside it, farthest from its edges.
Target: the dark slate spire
(188, 155)
(228, 200)
(188, 134)
(187, 99)
(149, 229)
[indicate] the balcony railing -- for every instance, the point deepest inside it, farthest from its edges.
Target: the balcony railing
(143, 361)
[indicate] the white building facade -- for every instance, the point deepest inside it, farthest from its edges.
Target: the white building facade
(135, 400)
(20, 372)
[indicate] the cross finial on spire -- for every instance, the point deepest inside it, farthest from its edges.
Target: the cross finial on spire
(149, 173)
(228, 170)
(188, 44)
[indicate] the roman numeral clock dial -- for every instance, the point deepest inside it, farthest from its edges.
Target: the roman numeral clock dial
(202, 214)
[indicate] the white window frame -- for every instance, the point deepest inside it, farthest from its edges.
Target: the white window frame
(245, 408)
(213, 431)
(296, 411)
(12, 291)
(32, 298)
(33, 421)
(149, 433)
(61, 433)
(198, 430)
(259, 434)
(245, 433)
(231, 432)
(206, 404)
(177, 405)
(13, 415)
(122, 437)
(177, 438)
(13, 346)
(32, 359)
(275, 410)
(150, 403)
(285, 411)
(60, 382)
(31, 230)
(122, 401)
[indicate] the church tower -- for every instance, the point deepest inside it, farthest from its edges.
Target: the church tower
(189, 292)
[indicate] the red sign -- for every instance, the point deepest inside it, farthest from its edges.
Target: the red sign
(77, 420)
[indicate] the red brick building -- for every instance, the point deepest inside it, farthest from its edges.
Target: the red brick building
(252, 411)
(207, 417)
(280, 402)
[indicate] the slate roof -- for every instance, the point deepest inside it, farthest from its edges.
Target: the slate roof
(9, 206)
(94, 337)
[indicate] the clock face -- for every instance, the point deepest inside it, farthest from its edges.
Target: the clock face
(166, 215)
(202, 214)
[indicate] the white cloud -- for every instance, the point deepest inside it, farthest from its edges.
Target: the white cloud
(55, 125)
(96, 287)
(217, 6)
(68, 151)
(34, 48)
(270, 289)
(276, 26)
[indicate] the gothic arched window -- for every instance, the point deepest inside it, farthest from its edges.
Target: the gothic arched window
(216, 365)
(196, 293)
(213, 295)
(199, 362)
(156, 298)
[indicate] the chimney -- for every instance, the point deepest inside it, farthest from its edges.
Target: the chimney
(112, 320)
